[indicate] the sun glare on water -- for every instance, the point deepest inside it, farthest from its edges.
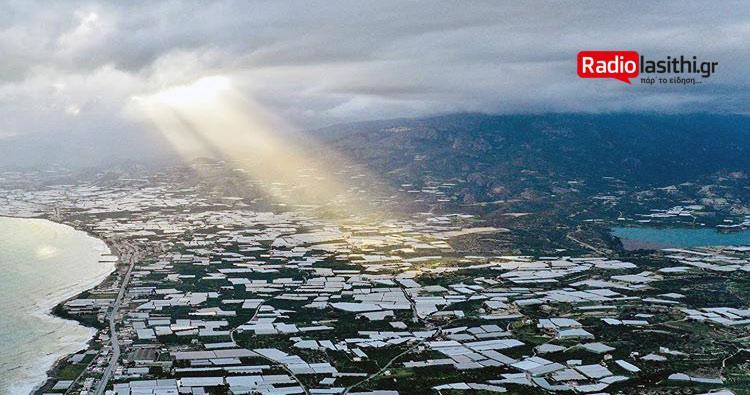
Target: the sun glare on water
(46, 252)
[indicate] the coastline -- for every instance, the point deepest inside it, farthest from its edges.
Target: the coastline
(51, 363)
(47, 311)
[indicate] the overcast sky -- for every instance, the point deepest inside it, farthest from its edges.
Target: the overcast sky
(69, 68)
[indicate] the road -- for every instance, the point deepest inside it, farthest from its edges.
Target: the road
(292, 375)
(131, 254)
(437, 334)
(586, 245)
(392, 360)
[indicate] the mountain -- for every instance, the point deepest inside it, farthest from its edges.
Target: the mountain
(83, 149)
(503, 152)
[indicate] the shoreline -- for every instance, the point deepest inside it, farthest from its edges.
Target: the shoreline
(45, 310)
(55, 367)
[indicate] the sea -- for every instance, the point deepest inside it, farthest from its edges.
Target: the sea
(655, 238)
(42, 263)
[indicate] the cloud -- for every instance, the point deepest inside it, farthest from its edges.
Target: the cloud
(70, 68)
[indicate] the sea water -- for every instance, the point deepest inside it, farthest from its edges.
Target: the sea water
(41, 264)
(654, 238)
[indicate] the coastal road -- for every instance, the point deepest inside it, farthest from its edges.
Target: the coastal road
(131, 254)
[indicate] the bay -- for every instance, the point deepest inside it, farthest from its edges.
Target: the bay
(654, 238)
(41, 264)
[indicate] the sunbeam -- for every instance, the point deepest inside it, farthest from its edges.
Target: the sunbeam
(210, 118)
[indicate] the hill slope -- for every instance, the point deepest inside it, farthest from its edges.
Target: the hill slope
(502, 150)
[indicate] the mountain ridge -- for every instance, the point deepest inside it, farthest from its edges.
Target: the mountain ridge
(652, 149)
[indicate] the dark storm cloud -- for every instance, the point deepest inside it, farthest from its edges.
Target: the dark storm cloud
(69, 65)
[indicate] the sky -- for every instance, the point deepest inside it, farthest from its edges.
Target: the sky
(71, 70)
